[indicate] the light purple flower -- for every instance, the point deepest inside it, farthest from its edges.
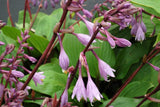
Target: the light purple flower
(17, 74)
(1, 89)
(52, 3)
(122, 42)
(92, 90)
(110, 39)
(90, 26)
(105, 69)
(19, 86)
(63, 58)
(1, 43)
(79, 89)
(45, 4)
(83, 38)
(64, 98)
(140, 36)
(38, 78)
(87, 13)
(154, 67)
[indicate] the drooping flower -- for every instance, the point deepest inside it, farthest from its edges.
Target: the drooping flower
(83, 38)
(79, 89)
(38, 78)
(87, 13)
(122, 42)
(110, 39)
(140, 36)
(104, 68)
(45, 4)
(63, 58)
(92, 90)
(64, 98)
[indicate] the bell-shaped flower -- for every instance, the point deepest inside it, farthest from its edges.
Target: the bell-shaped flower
(64, 98)
(79, 89)
(121, 42)
(83, 38)
(105, 69)
(140, 36)
(87, 13)
(38, 78)
(92, 90)
(63, 58)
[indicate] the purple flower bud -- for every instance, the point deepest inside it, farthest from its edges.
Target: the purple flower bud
(140, 36)
(9, 48)
(32, 59)
(17, 74)
(63, 58)
(45, 4)
(92, 90)
(19, 86)
(154, 67)
(106, 25)
(134, 29)
(83, 38)
(87, 13)
(34, 2)
(56, 1)
(64, 98)
(2, 24)
(79, 89)
(1, 43)
(122, 42)
(52, 3)
(110, 39)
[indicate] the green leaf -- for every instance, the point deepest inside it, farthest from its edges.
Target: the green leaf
(131, 55)
(40, 43)
(135, 89)
(54, 81)
(21, 16)
(153, 5)
(157, 40)
(11, 32)
(122, 102)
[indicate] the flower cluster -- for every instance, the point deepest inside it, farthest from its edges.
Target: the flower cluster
(45, 3)
(9, 68)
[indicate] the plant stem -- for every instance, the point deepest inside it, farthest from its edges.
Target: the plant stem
(24, 15)
(148, 95)
(150, 14)
(40, 6)
(9, 14)
(29, 11)
(65, 11)
(132, 76)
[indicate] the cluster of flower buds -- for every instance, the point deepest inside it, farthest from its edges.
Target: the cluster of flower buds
(9, 68)
(45, 3)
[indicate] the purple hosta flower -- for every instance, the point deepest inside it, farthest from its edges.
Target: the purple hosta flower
(32, 59)
(110, 39)
(14, 73)
(122, 42)
(106, 25)
(9, 48)
(140, 36)
(79, 89)
(105, 69)
(90, 26)
(87, 13)
(38, 78)
(83, 38)
(64, 98)
(45, 5)
(19, 86)
(154, 67)
(1, 43)
(1, 89)
(63, 58)
(92, 90)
